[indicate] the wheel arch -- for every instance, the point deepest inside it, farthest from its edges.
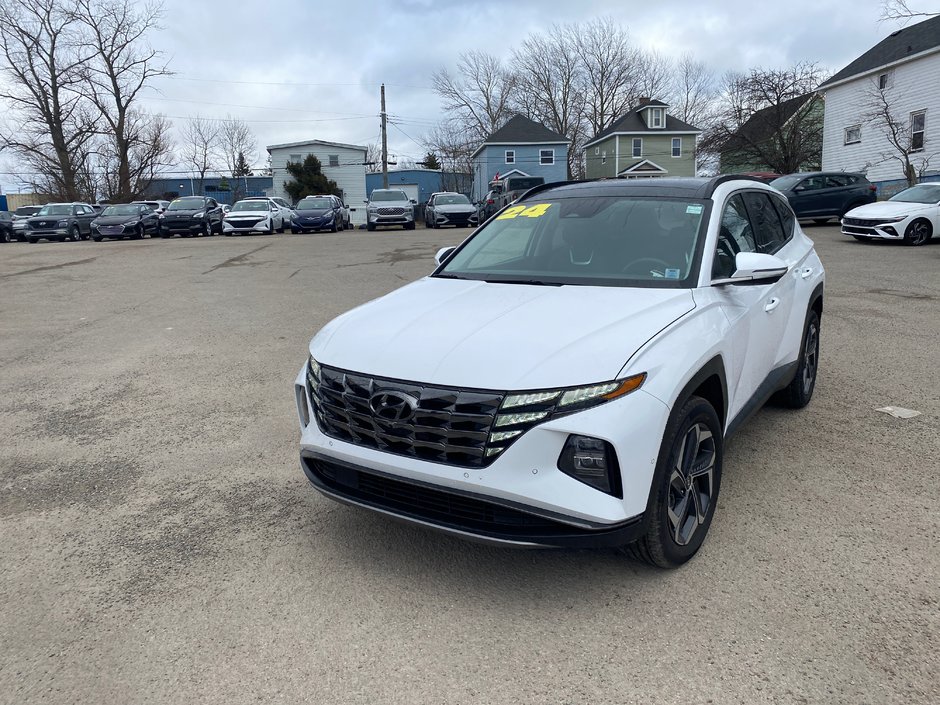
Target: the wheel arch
(710, 383)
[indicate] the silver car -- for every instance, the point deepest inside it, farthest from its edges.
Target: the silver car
(448, 208)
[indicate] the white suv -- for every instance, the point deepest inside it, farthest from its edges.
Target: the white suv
(567, 376)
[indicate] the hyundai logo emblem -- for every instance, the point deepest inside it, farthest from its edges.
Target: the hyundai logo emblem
(393, 406)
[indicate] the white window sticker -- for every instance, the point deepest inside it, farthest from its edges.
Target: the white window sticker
(693, 209)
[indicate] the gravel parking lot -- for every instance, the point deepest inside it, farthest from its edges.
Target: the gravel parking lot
(160, 543)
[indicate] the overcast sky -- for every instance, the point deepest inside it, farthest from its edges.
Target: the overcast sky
(297, 70)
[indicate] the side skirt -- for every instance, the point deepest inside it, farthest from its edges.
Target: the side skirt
(774, 382)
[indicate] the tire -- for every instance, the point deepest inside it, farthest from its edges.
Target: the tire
(75, 235)
(820, 221)
(409, 226)
(165, 234)
(5, 236)
(370, 227)
(918, 233)
(32, 240)
(138, 233)
(96, 239)
(797, 394)
(673, 534)
(333, 227)
(205, 230)
(294, 231)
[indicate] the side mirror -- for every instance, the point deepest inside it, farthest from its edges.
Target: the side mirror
(443, 254)
(414, 202)
(754, 268)
(798, 189)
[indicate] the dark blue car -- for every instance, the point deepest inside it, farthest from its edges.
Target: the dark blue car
(315, 213)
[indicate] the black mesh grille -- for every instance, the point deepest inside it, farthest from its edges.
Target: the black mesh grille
(862, 222)
(438, 506)
(448, 425)
(391, 211)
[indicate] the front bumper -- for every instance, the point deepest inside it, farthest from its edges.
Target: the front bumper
(521, 498)
(312, 223)
(874, 229)
(261, 226)
(175, 227)
(58, 232)
(458, 219)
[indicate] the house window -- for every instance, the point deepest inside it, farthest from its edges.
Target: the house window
(510, 156)
(334, 159)
(296, 159)
(677, 146)
(884, 81)
(637, 146)
(546, 157)
(657, 117)
(918, 120)
(604, 157)
(853, 134)
(597, 150)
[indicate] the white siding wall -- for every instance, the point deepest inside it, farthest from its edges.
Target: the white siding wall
(350, 175)
(915, 86)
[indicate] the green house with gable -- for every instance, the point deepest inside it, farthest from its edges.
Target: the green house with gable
(645, 142)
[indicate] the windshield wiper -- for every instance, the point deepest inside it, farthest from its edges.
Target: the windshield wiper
(532, 282)
(448, 276)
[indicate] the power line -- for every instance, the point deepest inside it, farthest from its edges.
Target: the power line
(298, 84)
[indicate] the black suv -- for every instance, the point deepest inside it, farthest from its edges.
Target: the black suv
(822, 195)
(191, 215)
(61, 221)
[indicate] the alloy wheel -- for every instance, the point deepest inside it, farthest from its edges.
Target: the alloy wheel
(691, 483)
(810, 357)
(919, 233)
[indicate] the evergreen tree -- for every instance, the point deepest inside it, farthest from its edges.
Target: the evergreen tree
(430, 161)
(242, 168)
(308, 180)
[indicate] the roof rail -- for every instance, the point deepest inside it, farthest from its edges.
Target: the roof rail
(724, 178)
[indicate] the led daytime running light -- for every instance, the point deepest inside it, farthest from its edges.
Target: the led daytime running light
(527, 399)
(513, 419)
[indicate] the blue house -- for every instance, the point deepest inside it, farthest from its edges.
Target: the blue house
(521, 147)
(419, 184)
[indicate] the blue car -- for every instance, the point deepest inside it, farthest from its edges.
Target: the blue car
(315, 213)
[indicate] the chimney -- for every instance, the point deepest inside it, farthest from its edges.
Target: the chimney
(645, 100)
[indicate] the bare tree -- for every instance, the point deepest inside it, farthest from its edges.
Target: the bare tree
(654, 74)
(374, 158)
(43, 59)
(901, 10)
(548, 72)
(769, 118)
(906, 145)
(201, 146)
(693, 92)
(609, 71)
(453, 147)
(121, 69)
(238, 146)
(479, 96)
(149, 151)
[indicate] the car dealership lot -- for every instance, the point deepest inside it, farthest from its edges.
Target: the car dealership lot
(160, 543)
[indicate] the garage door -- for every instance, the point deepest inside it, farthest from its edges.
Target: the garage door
(410, 189)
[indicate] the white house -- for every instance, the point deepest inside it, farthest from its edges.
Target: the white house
(905, 67)
(342, 163)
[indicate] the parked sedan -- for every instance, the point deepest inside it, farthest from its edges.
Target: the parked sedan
(61, 221)
(191, 215)
(825, 195)
(256, 216)
(315, 213)
(157, 206)
(20, 217)
(913, 216)
(450, 209)
(132, 220)
(568, 375)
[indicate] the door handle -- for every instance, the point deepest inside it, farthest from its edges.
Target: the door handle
(772, 304)
(806, 273)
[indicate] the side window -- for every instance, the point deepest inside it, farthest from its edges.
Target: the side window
(836, 180)
(734, 236)
(812, 183)
(768, 231)
(211, 203)
(786, 216)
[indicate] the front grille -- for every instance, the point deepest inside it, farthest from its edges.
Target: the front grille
(111, 229)
(43, 225)
(862, 222)
(391, 211)
(244, 222)
(458, 218)
(856, 230)
(431, 504)
(449, 425)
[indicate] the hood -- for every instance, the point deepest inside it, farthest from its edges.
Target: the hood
(177, 213)
(887, 209)
(36, 219)
(312, 212)
(456, 208)
(260, 213)
(116, 219)
(498, 336)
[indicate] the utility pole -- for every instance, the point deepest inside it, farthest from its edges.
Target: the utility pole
(384, 142)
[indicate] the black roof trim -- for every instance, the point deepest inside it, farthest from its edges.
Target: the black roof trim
(725, 178)
(688, 187)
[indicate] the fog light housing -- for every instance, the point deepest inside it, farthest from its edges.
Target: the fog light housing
(593, 462)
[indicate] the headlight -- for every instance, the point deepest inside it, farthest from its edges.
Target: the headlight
(62, 224)
(893, 220)
(94, 224)
(130, 222)
(200, 214)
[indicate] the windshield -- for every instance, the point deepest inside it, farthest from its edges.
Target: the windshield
(785, 182)
(187, 204)
(26, 210)
(607, 241)
(121, 210)
(56, 209)
(455, 200)
(389, 196)
(250, 206)
(922, 193)
(312, 203)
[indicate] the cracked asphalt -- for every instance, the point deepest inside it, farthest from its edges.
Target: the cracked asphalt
(159, 543)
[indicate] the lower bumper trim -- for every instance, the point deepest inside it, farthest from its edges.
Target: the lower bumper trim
(469, 516)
